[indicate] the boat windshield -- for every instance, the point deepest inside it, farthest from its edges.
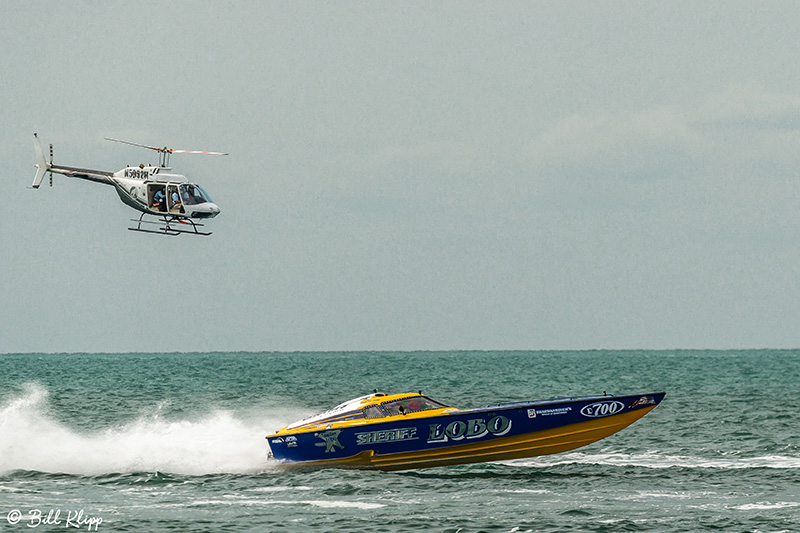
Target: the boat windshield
(411, 405)
(372, 411)
(192, 194)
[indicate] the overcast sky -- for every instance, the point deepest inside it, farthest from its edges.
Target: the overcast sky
(407, 175)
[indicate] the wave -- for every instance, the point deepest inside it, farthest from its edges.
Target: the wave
(218, 442)
(655, 460)
(325, 504)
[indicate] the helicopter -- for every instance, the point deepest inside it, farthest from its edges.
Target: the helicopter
(154, 190)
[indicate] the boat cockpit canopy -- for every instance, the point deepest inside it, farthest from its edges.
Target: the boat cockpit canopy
(355, 409)
(409, 405)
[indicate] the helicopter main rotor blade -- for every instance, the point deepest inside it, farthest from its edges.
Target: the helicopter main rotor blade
(195, 152)
(165, 149)
(136, 144)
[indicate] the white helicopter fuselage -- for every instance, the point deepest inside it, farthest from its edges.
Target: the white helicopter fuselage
(150, 189)
(157, 191)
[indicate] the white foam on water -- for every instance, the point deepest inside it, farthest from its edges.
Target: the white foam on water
(325, 504)
(682, 495)
(760, 506)
(217, 442)
(655, 460)
(277, 489)
(344, 504)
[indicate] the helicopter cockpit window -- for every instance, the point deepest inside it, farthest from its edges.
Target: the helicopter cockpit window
(192, 194)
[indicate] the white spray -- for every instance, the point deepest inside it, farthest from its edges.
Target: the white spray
(218, 442)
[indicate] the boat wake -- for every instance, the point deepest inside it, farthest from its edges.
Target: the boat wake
(216, 442)
(655, 460)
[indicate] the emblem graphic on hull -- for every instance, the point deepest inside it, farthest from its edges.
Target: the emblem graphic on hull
(331, 438)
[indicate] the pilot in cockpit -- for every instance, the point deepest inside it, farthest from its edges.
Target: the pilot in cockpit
(176, 199)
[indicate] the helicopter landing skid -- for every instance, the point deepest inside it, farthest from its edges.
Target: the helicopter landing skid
(171, 226)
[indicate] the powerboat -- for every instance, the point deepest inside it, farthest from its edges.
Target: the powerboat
(405, 431)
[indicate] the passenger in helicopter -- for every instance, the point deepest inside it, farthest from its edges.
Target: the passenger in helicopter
(159, 200)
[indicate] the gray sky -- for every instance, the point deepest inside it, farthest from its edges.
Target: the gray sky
(407, 175)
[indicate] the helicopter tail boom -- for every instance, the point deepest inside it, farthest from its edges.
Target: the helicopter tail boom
(42, 167)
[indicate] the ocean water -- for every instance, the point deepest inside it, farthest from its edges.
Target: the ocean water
(160, 442)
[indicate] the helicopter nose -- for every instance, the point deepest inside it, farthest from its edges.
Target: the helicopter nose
(206, 210)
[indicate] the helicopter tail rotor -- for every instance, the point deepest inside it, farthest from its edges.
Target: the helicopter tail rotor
(42, 166)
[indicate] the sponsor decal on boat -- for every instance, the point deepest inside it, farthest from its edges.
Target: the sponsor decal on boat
(473, 428)
(644, 400)
(600, 409)
(387, 435)
(532, 413)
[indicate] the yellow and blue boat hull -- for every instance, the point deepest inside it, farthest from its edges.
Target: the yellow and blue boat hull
(447, 436)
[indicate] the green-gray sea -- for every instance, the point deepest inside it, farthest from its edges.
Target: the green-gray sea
(158, 442)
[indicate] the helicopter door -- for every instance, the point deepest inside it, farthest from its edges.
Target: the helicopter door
(174, 199)
(157, 196)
